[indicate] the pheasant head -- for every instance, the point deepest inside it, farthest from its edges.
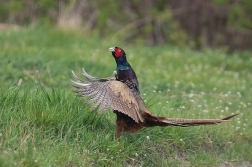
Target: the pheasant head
(117, 52)
(120, 57)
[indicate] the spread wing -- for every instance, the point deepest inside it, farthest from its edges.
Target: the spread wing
(107, 93)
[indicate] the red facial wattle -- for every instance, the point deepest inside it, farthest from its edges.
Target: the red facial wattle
(118, 52)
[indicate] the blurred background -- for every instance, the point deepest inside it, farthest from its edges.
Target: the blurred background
(196, 24)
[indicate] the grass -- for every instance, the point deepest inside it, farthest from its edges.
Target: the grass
(42, 123)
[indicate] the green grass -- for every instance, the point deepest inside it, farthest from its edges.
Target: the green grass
(42, 123)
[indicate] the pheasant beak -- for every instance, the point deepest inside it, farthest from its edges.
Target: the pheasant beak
(112, 49)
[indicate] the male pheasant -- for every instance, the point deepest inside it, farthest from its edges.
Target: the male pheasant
(122, 95)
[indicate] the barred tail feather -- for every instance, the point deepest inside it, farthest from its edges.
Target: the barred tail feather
(230, 117)
(163, 121)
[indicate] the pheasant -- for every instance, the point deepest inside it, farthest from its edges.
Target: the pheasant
(121, 94)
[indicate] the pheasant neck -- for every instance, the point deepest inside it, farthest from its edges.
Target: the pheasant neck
(122, 63)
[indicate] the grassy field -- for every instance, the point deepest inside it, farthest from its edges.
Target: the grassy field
(42, 123)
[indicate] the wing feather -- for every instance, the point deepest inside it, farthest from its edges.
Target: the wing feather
(107, 93)
(99, 99)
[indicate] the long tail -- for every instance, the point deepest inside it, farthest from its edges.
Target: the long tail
(152, 120)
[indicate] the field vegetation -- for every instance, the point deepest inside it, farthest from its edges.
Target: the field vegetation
(43, 123)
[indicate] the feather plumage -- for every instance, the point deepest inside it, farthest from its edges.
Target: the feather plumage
(107, 93)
